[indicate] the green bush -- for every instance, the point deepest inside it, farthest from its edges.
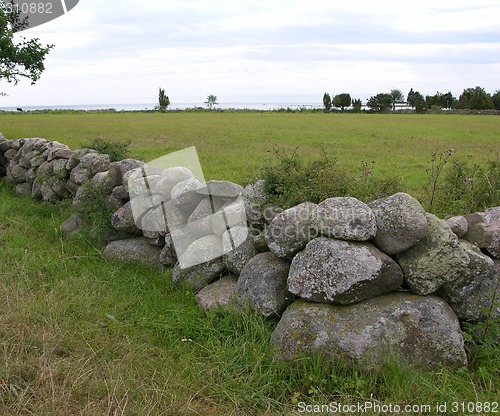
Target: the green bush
(116, 150)
(291, 180)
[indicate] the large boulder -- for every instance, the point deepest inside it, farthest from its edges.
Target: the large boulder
(290, 231)
(262, 285)
(415, 330)
(135, 249)
(239, 248)
(436, 259)
(458, 225)
(342, 272)
(484, 230)
(401, 222)
(220, 295)
(198, 276)
(123, 219)
(483, 302)
(478, 268)
(345, 218)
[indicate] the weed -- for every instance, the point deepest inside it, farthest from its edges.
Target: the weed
(116, 150)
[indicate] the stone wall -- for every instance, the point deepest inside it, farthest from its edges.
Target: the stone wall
(344, 279)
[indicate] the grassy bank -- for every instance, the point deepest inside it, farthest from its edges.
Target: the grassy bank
(83, 335)
(233, 146)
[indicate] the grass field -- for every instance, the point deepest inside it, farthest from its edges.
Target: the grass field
(82, 335)
(234, 145)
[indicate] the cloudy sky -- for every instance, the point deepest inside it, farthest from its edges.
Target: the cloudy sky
(263, 51)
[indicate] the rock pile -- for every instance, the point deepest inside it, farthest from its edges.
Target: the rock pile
(347, 280)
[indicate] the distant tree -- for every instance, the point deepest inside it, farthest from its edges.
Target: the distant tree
(356, 105)
(410, 99)
(23, 59)
(342, 100)
(475, 99)
(419, 102)
(380, 102)
(397, 98)
(211, 101)
(496, 99)
(327, 102)
(163, 100)
(448, 100)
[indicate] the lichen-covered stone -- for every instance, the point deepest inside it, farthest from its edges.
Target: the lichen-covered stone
(401, 222)
(238, 247)
(135, 249)
(458, 225)
(415, 330)
(342, 272)
(262, 285)
(290, 231)
(436, 259)
(345, 218)
(220, 295)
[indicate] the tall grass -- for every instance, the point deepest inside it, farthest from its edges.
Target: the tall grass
(80, 334)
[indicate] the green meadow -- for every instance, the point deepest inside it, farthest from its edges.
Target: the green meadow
(234, 145)
(82, 335)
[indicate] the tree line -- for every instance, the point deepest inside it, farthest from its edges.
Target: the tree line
(471, 98)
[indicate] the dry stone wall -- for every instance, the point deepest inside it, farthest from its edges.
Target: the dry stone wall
(344, 279)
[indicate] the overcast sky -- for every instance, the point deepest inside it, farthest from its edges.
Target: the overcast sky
(121, 51)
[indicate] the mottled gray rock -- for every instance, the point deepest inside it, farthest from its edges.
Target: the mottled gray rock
(345, 218)
(290, 231)
(10, 154)
(155, 220)
(478, 268)
(259, 239)
(126, 165)
(198, 276)
(219, 295)
(184, 195)
(168, 257)
(342, 272)
(37, 161)
(72, 225)
(458, 225)
(17, 173)
(23, 189)
(80, 174)
(238, 247)
(415, 330)
(201, 250)
(95, 162)
(436, 259)
(54, 190)
(120, 192)
(72, 187)
(484, 230)
(135, 249)
(401, 222)
(230, 215)
(482, 303)
(222, 189)
(76, 157)
(262, 285)
(171, 177)
(255, 199)
(58, 150)
(200, 221)
(60, 170)
(123, 219)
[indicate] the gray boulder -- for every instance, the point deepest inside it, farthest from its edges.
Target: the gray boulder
(255, 199)
(415, 330)
(199, 275)
(200, 221)
(170, 177)
(342, 272)
(345, 218)
(23, 189)
(135, 249)
(458, 225)
(262, 285)
(484, 230)
(222, 189)
(478, 268)
(239, 248)
(436, 259)
(290, 231)
(220, 295)
(184, 195)
(401, 222)
(168, 256)
(202, 250)
(483, 302)
(123, 219)
(72, 225)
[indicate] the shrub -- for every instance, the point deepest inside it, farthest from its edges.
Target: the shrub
(116, 150)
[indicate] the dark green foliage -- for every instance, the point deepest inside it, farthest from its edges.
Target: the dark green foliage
(496, 99)
(163, 101)
(342, 100)
(115, 150)
(475, 99)
(380, 102)
(327, 102)
(291, 180)
(356, 105)
(459, 187)
(23, 59)
(397, 98)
